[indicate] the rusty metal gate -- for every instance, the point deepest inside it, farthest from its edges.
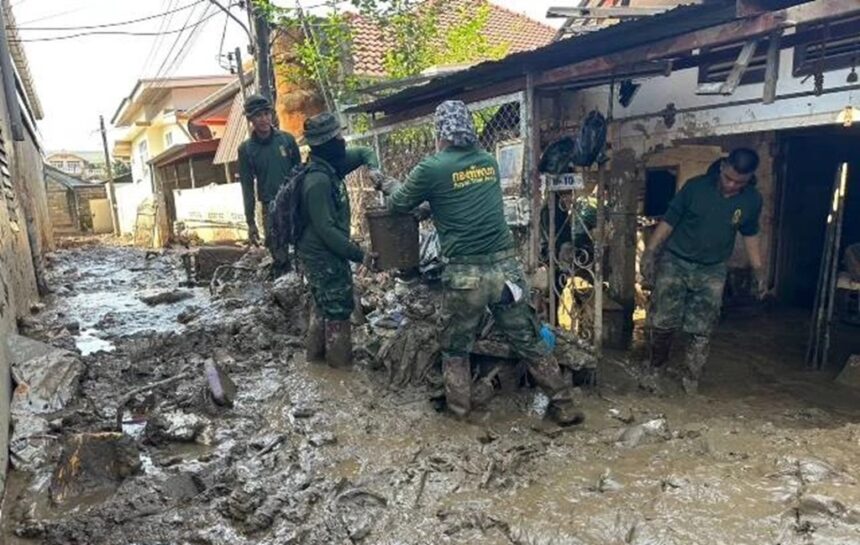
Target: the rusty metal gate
(572, 223)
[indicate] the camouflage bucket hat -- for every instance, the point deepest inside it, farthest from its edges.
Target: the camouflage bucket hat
(321, 128)
(454, 123)
(255, 104)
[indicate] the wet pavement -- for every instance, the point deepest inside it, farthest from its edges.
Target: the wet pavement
(768, 454)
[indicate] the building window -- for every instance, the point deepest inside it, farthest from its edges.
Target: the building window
(829, 46)
(143, 157)
(73, 166)
(168, 139)
(718, 63)
(57, 164)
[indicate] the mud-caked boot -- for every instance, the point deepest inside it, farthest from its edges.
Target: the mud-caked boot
(458, 384)
(338, 343)
(696, 357)
(315, 338)
(660, 346)
(547, 374)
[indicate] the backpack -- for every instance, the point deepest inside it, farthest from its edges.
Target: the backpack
(286, 209)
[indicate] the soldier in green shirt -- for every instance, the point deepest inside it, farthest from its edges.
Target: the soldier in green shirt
(699, 232)
(461, 184)
(268, 157)
(324, 247)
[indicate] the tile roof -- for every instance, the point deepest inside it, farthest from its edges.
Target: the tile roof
(521, 33)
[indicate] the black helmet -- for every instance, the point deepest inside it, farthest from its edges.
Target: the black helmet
(255, 104)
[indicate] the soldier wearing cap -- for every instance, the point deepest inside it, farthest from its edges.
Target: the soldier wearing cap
(268, 157)
(461, 183)
(325, 248)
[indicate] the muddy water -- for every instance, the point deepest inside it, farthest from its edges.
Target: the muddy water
(769, 454)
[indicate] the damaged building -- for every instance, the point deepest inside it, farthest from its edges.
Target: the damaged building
(679, 88)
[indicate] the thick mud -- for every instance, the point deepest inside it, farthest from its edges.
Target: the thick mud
(769, 454)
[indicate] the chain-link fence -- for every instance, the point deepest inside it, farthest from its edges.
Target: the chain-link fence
(402, 146)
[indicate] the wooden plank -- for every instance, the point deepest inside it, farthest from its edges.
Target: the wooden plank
(771, 71)
(739, 68)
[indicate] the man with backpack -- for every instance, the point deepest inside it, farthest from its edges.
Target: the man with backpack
(462, 185)
(268, 157)
(323, 245)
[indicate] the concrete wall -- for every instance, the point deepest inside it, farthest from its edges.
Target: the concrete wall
(64, 220)
(128, 198)
(214, 213)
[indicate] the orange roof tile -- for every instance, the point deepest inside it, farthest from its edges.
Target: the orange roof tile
(521, 33)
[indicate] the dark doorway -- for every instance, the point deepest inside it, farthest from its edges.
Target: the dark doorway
(659, 189)
(810, 163)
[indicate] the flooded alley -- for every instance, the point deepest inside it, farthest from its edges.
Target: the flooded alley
(306, 454)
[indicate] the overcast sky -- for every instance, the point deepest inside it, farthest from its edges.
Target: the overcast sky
(80, 78)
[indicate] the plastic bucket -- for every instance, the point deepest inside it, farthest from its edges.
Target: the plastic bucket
(394, 237)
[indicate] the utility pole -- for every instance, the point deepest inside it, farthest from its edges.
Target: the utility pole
(263, 52)
(237, 54)
(114, 216)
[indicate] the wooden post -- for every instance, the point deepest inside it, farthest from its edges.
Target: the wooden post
(191, 171)
(111, 193)
(600, 228)
(227, 173)
(531, 158)
(553, 296)
(771, 71)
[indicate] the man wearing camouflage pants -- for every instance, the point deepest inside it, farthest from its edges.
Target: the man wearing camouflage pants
(325, 248)
(461, 184)
(699, 231)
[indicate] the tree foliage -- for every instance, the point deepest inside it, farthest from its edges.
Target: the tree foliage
(321, 55)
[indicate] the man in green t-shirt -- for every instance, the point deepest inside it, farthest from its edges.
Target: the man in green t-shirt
(461, 184)
(699, 231)
(324, 247)
(268, 157)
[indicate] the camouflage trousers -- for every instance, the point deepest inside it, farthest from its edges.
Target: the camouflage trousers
(280, 256)
(470, 289)
(330, 280)
(687, 296)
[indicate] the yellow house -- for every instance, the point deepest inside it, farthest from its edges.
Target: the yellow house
(152, 119)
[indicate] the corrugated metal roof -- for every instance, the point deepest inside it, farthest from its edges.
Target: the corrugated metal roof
(619, 37)
(179, 152)
(235, 133)
(65, 179)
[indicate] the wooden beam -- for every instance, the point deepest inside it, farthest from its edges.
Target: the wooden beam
(734, 78)
(771, 71)
(731, 32)
(625, 12)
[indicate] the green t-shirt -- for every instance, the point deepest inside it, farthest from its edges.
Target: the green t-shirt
(269, 161)
(325, 208)
(463, 188)
(705, 223)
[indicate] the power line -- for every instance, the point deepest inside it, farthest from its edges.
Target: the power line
(114, 33)
(155, 47)
(109, 25)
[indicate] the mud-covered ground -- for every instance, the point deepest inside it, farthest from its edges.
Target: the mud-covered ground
(768, 454)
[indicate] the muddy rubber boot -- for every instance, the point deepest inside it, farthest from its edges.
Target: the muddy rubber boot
(547, 374)
(338, 343)
(696, 357)
(458, 384)
(661, 346)
(315, 338)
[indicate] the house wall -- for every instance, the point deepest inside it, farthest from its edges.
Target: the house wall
(128, 198)
(214, 213)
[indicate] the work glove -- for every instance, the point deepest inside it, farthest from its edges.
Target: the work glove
(253, 235)
(421, 212)
(377, 177)
(648, 269)
(761, 283)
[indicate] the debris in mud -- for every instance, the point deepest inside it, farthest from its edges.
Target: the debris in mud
(221, 387)
(653, 431)
(166, 297)
(189, 314)
(178, 426)
(850, 374)
(624, 415)
(93, 463)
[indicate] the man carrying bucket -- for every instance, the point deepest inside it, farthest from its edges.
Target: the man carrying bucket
(324, 247)
(461, 183)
